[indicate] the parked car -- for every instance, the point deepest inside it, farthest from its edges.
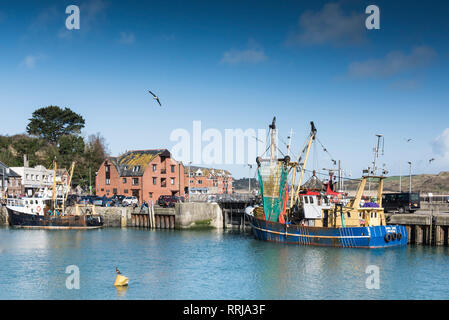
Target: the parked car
(401, 202)
(118, 198)
(169, 201)
(98, 201)
(86, 199)
(128, 201)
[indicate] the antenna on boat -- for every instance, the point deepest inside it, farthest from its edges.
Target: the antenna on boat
(289, 141)
(376, 150)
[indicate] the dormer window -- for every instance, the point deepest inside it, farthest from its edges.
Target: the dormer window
(136, 169)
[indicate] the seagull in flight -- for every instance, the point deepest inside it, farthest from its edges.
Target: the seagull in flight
(155, 97)
(431, 160)
(408, 140)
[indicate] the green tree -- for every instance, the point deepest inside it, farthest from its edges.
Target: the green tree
(52, 122)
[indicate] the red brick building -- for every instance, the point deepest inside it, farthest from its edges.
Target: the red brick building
(208, 180)
(146, 174)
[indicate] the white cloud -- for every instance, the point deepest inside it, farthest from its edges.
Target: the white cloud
(330, 25)
(440, 145)
(253, 54)
(30, 61)
(127, 38)
(92, 12)
(393, 63)
(46, 17)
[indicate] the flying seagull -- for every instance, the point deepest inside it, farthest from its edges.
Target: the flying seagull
(431, 160)
(155, 97)
(408, 140)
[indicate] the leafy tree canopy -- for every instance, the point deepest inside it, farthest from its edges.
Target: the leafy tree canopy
(52, 122)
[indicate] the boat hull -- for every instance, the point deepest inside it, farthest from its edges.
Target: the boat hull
(349, 237)
(19, 219)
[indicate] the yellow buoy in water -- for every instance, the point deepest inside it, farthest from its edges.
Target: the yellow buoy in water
(121, 280)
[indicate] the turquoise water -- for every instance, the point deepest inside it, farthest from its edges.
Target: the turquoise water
(209, 264)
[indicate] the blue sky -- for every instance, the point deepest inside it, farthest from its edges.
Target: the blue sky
(236, 64)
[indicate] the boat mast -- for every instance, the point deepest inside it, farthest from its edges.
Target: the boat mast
(69, 184)
(311, 138)
(55, 168)
(273, 151)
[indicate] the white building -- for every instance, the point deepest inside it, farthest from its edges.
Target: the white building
(35, 178)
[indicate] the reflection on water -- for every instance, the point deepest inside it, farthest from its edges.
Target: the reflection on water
(121, 291)
(209, 264)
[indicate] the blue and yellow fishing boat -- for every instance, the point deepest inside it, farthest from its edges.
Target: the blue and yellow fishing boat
(290, 214)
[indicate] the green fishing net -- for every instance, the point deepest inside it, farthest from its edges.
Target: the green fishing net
(272, 183)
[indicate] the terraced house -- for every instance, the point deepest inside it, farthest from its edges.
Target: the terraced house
(145, 174)
(208, 180)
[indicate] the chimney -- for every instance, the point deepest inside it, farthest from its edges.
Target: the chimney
(25, 160)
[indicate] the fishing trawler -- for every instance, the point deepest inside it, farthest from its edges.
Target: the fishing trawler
(49, 211)
(298, 215)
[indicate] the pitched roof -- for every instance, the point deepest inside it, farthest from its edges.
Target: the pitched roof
(11, 173)
(133, 163)
(207, 171)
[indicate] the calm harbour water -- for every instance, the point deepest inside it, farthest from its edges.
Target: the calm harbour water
(208, 264)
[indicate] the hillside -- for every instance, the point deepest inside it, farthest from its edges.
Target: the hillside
(436, 183)
(39, 151)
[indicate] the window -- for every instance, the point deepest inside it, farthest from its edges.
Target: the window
(154, 168)
(108, 181)
(125, 191)
(306, 199)
(107, 168)
(136, 169)
(163, 182)
(124, 180)
(154, 180)
(172, 180)
(102, 189)
(135, 181)
(311, 200)
(151, 195)
(114, 190)
(172, 168)
(200, 181)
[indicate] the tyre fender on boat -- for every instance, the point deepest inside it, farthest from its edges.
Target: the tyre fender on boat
(387, 237)
(38, 209)
(393, 236)
(399, 236)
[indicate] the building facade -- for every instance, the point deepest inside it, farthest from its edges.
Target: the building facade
(208, 180)
(10, 182)
(145, 174)
(34, 179)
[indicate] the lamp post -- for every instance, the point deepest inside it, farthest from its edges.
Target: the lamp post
(410, 186)
(250, 166)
